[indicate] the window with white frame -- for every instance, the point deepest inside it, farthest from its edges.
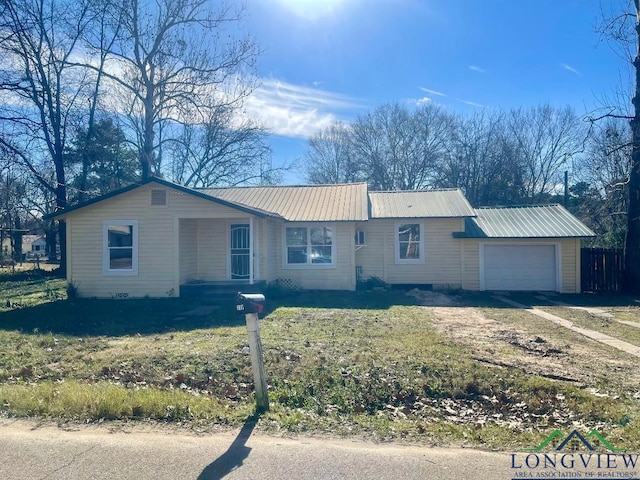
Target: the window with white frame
(309, 245)
(120, 247)
(409, 244)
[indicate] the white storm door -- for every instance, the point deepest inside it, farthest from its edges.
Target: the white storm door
(240, 251)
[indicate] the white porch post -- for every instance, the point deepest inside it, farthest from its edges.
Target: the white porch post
(250, 250)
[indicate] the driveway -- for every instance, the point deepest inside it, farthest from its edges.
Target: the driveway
(512, 334)
(597, 336)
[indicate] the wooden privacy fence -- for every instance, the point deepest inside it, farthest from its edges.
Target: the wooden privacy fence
(602, 269)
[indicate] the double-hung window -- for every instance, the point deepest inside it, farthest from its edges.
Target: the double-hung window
(309, 245)
(120, 247)
(409, 243)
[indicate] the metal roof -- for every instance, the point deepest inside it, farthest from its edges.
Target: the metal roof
(306, 203)
(444, 203)
(62, 213)
(539, 221)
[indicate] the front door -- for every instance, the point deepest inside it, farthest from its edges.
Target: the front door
(239, 251)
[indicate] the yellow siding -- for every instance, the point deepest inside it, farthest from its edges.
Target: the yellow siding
(270, 238)
(213, 249)
(442, 253)
(338, 277)
(157, 240)
(471, 265)
(258, 250)
(188, 241)
(571, 265)
(69, 241)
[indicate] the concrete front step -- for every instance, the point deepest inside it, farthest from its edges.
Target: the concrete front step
(219, 292)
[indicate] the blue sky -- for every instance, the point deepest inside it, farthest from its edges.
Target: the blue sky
(335, 59)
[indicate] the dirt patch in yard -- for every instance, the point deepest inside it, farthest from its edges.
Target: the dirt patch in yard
(501, 345)
(509, 338)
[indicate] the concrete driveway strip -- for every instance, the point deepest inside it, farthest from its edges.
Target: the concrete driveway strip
(598, 336)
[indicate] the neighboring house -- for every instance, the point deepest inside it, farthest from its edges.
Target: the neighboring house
(34, 245)
(152, 238)
(39, 246)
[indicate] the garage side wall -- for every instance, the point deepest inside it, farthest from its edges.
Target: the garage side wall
(571, 265)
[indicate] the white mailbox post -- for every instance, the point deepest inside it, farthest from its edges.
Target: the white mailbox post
(252, 304)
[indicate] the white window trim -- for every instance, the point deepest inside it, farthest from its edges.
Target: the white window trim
(105, 248)
(396, 242)
(306, 266)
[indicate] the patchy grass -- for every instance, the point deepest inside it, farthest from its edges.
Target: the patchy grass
(29, 288)
(366, 364)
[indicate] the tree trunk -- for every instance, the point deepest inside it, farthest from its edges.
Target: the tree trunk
(146, 159)
(632, 241)
(61, 204)
(50, 238)
(17, 241)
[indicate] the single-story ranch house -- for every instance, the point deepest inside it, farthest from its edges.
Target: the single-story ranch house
(152, 238)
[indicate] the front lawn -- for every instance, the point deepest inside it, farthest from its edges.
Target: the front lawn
(370, 364)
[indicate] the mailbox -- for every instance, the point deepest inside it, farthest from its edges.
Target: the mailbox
(250, 302)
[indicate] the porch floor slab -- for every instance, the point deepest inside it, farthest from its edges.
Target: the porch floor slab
(201, 311)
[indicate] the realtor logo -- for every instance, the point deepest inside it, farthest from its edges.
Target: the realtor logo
(574, 438)
(575, 456)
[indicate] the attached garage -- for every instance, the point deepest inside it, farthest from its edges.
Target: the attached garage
(520, 267)
(530, 248)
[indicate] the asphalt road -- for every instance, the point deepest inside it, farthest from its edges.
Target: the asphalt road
(47, 452)
(41, 452)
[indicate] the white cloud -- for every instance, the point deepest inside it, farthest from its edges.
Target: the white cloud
(477, 69)
(571, 69)
(423, 101)
(468, 102)
(433, 92)
(297, 111)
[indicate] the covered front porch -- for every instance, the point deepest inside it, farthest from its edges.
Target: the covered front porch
(219, 251)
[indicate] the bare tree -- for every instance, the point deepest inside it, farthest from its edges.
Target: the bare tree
(98, 42)
(483, 161)
(632, 241)
(600, 197)
(546, 139)
(42, 90)
(222, 152)
(330, 159)
(622, 28)
(401, 149)
(173, 63)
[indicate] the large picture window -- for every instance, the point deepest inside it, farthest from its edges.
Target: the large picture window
(309, 245)
(409, 245)
(120, 247)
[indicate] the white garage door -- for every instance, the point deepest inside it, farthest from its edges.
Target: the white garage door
(520, 267)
